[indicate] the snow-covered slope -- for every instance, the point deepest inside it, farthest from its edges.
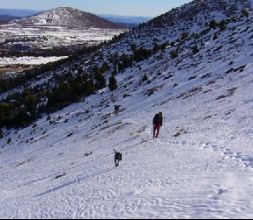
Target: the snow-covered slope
(28, 60)
(66, 17)
(61, 29)
(200, 167)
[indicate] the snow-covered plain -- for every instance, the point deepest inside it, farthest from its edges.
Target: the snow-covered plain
(59, 27)
(63, 31)
(46, 37)
(6, 61)
(200, 167)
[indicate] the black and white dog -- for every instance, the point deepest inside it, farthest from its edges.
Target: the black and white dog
(117, 157)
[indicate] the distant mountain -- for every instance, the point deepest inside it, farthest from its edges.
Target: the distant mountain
(6, 18)
(18, 12)
(66, 17)
(58, 32)
(126, 20)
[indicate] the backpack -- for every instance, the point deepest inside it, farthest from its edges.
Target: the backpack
(156, 119)
(120, 156)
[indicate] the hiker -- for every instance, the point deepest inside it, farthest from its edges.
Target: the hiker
(117, 158)
(116, 109)
(157, 124)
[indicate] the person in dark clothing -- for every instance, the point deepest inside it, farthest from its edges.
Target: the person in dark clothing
(117, 158)
(157, 124)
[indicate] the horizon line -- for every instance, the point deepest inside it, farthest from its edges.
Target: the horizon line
(43, 10)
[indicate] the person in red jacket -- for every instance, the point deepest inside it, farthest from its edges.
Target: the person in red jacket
(157, 124)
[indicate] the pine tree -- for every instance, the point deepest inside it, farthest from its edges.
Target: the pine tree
(1, 133)
(213, 24)
(113, 83)
(144, 78)
(245, 13)
(195, 49)
(223, 25)
(174, 54)
(100, 81)
(185, 36)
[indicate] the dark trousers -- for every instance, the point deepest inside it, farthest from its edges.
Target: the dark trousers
(116, 162)
(156, 130)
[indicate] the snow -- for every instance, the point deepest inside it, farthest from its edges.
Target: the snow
(205, 172)
(57, 28)
(64, 16)
(5, 61)
(48, 37)
(200, 167)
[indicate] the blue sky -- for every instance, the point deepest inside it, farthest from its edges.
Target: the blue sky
(117, 7)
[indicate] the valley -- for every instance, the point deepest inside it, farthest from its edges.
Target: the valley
(28, 39)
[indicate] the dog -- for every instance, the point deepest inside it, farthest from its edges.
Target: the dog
(116, 109)
(117, 158)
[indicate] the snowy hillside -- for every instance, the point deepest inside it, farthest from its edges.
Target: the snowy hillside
(32, 39)
(199, 74)
(28, 60)
(66, 17)
(57, 31)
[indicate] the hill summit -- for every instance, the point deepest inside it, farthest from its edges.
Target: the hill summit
(66, 17)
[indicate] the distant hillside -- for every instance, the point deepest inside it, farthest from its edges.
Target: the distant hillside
(18, 12)
(57, 32)
(66, 17)
(126, 20)
(6, 18)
